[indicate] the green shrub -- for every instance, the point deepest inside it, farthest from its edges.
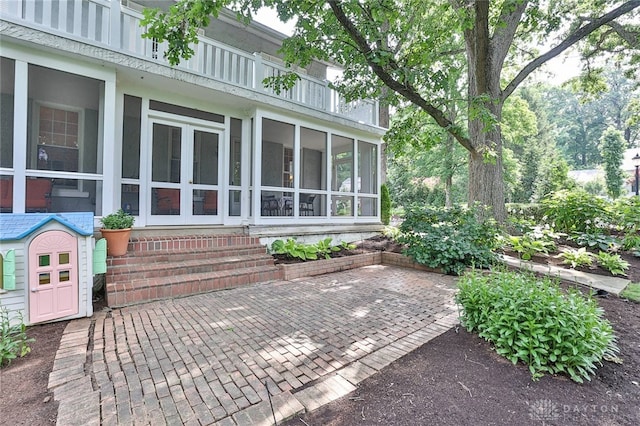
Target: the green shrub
(629, 211)
(451, 239)
(612, 263)
(532, 320)
(13, 338)
(576, 211)
(577, 258)
(385, 204)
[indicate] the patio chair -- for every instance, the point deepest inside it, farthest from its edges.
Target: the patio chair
(269, 206)
(38, 195)
(306, 204)
(6, 195)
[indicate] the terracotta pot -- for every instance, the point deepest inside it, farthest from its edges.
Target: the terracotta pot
(117, 241)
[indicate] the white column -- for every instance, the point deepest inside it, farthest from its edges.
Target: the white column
(112, 152)
(245, 169)
(257, 166)
(20, 110)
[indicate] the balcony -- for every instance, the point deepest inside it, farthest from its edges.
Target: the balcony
(110, 25)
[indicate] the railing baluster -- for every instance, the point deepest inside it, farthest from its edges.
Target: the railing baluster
(30, 11)
(47, 7)
(217, 65)
(208, 59)
(235, 69)
(77, 18)
(62, 15)
(91, 21)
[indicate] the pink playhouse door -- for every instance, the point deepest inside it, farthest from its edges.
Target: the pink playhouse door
(53, 276)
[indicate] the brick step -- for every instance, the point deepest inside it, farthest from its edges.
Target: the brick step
(142, 290)
(188, 242)
(150, 268)
(179, 255)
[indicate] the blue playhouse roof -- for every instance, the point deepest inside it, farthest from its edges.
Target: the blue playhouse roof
(15, 226)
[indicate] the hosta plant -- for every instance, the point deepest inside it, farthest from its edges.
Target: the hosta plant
(576, 258)
(596, 240)
(292, 248)
(325, 248)
(613, 263)
(532, 320)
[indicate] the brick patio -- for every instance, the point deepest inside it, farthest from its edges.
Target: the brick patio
(209, 358)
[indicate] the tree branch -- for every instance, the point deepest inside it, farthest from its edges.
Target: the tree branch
(631, 37)
(404, 89)
(572, 39)
(503, 36)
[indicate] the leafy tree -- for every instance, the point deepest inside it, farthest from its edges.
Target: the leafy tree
(552, 176)
(580, 125)
(405, 45)
(612, 146)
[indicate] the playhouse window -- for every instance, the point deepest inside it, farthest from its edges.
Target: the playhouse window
(44, 278)
(64, 276)
(63, 258)
(44, 260)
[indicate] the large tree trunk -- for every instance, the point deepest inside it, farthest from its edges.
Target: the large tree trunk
(486, 181)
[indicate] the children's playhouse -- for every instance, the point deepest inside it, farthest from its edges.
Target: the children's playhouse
(47, 266)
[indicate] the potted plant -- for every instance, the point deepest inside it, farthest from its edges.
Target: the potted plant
(116, 229)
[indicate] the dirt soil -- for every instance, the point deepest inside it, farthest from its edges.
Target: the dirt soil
(24, 398)
(454, 379)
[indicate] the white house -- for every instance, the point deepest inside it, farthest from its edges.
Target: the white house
(94, 119)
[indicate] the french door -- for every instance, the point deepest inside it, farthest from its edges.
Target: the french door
(184, 175)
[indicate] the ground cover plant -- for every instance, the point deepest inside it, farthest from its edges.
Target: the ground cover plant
(632, 292)
(531, 320)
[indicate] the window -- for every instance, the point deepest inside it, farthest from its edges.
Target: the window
(58, 139)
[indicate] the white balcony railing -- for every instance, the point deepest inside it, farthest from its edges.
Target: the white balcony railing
(108, 24)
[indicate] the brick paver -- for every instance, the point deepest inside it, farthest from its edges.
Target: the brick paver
(216, 358)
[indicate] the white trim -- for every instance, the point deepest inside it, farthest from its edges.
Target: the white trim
(68, 64)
